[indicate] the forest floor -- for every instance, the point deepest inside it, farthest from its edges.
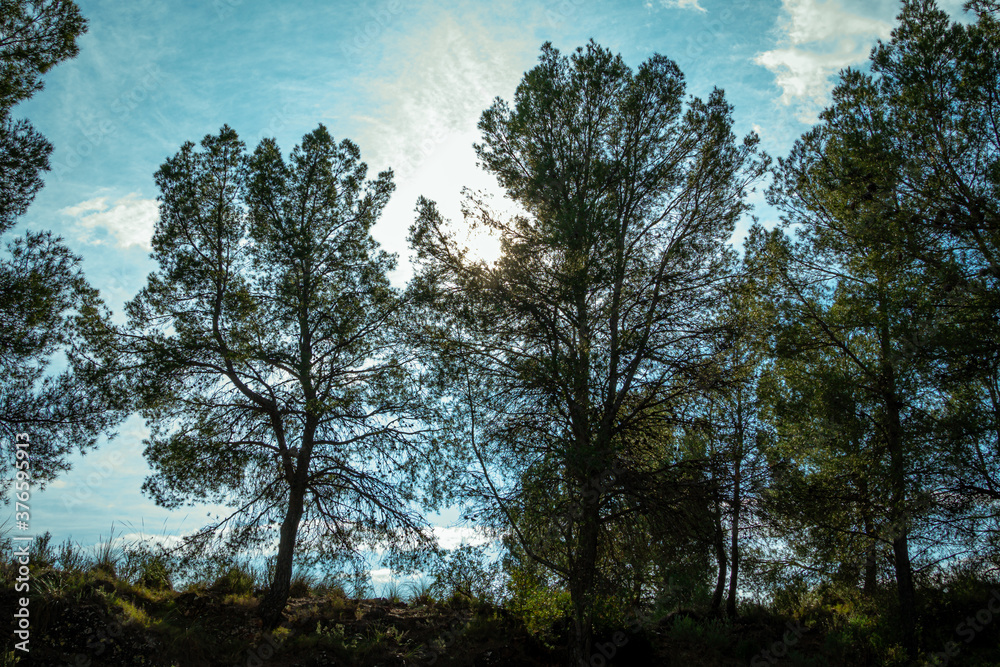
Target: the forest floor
(92, 618)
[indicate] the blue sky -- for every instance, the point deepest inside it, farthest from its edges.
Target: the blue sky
(406, 81)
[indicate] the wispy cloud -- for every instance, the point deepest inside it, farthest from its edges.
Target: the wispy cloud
(129, 221)
(440, 84)
(817, 39)
(680, 4)
(436, 78)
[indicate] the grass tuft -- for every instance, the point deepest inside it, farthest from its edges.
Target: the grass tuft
(236, 581)
(421, 592)
(393, 592)
(303, 582)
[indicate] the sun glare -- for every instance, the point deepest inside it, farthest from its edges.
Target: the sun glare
(482, 245)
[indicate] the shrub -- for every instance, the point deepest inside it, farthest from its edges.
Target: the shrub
(107, 557)
(42, 554)
(420, 592)
(392, 592)
(236, 581)
(332, 588)
(468, 570)
(70, 557)
(686, 629)
(302, 583)
(154, 574)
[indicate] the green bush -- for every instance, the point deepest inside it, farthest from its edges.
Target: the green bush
(302, 583)
(393, 592)
(467, 570)
(686, 629)
(106, 557)
(421, 592)
(70, 557)
(42, 554)
(236, 581)
(154, 575)
(331, 588)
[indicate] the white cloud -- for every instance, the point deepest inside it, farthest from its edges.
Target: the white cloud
(804, 76)
(807, 21)
(137, 538)
(84, 207)
(451, 537)
(817, 39)
(382, 575)
(127, 222)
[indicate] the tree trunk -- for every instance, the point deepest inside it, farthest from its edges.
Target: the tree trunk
(734, 545)
(719, 543)
(907, 596)
(720, 559)
(638, 581)
(583, 566)
(901, 551)
(581, 586)
(273, 604)
(898, 514)
(871, 565)
(871, 571)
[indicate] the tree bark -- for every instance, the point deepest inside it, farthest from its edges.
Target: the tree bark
(720, 558)
(582, 578)
(900, 542)
(871, 572)
(871, 565)
(273, 604)
(734, 544)
(898, 514)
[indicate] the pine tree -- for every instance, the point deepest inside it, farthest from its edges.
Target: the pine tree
(47, 309)
(272, 374)
(575, 347)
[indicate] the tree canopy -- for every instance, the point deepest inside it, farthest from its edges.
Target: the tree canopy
(574, 349)
(268, 351)
(642, 420)
(57, 358)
